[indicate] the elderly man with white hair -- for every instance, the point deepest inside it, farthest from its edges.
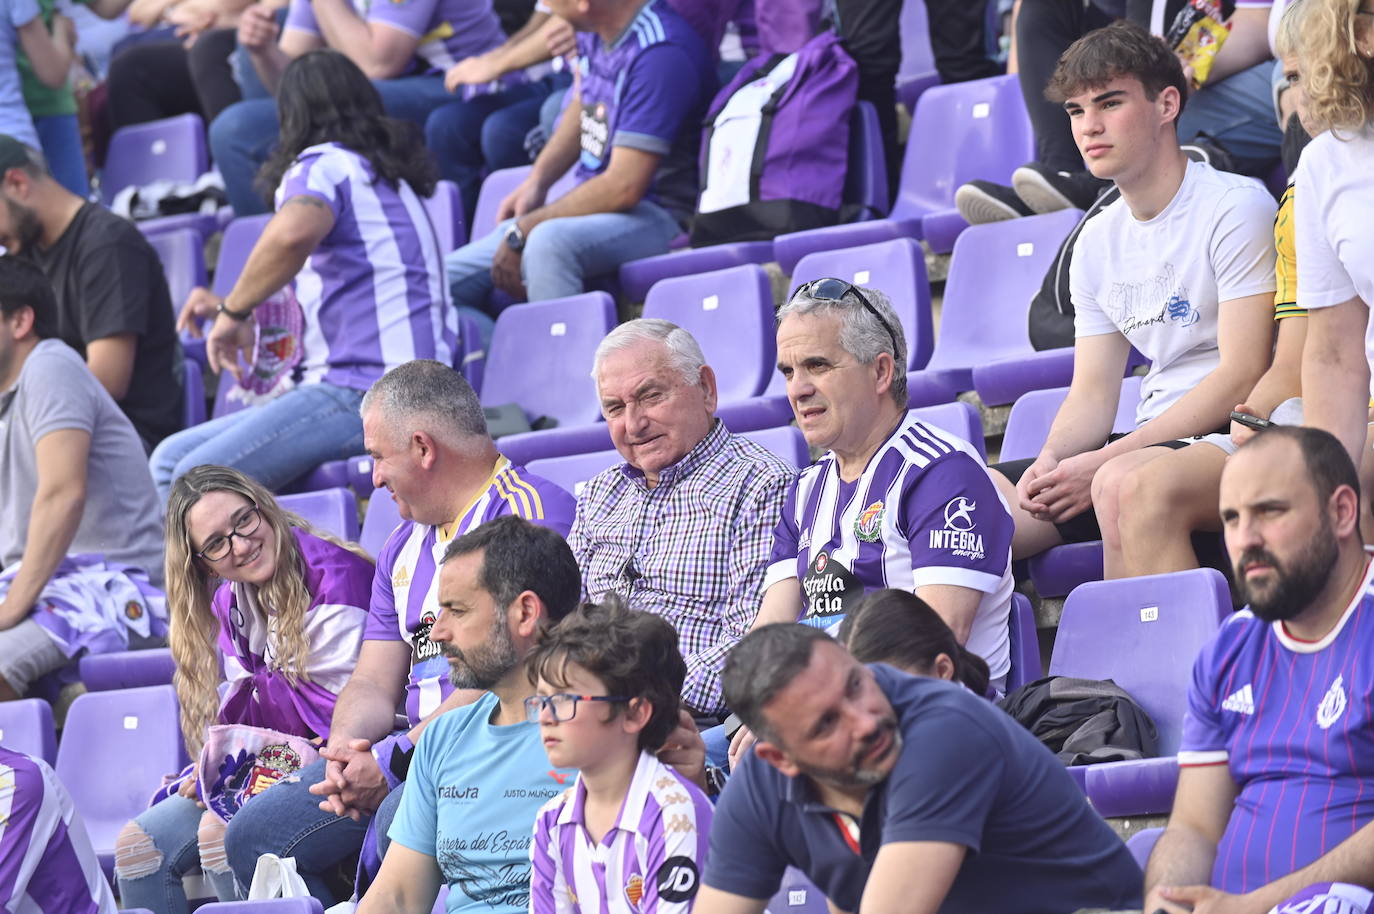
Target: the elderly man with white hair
(684, 526)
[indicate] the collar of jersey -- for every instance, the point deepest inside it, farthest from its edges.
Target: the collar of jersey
(446, 533)
(1298, 646)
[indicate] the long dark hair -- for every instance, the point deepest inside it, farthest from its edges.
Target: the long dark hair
(325, 98)
(899, 628)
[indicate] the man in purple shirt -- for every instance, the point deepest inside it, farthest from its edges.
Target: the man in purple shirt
(404, 46)
(632, 130)
(427, 436)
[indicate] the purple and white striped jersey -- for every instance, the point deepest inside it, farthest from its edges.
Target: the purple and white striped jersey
(924, 512)
(650, 862)
(1293, 721)
(340, 583)
(406, 574)
(47, 865)
(373, 292)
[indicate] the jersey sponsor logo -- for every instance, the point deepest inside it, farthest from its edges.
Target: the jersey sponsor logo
(677, 879)
(400, 580)
(1182, 311)
(451, 792)
(425, 649)
(596, 132)
(557, 776)
(959, 514)
(634, 889)
(1241, 701)
(829, 588)
(868, 526)
(680, 823)
(957, 535)
(1333, 704)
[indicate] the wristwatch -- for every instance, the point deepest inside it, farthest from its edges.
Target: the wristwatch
(233, 315)
(515, 239)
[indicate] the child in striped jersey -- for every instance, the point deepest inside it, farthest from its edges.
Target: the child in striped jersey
(630, 836)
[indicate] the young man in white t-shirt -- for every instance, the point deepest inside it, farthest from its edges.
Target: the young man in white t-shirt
(1181, 268)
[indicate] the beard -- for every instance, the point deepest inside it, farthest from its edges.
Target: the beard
(28, 231)
(486, 665)
(856, 774)
(1292, 586)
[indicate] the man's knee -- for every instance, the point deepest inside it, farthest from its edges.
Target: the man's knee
(135, 854)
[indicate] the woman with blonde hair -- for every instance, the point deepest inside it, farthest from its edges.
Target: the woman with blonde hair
(285, 606)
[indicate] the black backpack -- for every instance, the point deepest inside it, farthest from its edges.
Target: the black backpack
(1083, 721)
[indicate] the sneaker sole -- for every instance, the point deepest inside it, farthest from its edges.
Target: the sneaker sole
(1037, 193)
(979, 208)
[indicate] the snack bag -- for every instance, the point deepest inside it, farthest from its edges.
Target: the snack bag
(1197, 34)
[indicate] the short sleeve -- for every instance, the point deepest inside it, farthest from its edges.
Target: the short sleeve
(744, 859)
(414, 17)
(548, 885)
(1322, 279)
(657, 99)
(782, 561)
(117, 278)
(1204, 740)
(383, 621)
(957, 527)
(1242, 243)
(1286, 260)
(1088, 317)
(53, 400)
(317, 173)
(300, 16)
(22, 12)
(677, 850)
(416, 825)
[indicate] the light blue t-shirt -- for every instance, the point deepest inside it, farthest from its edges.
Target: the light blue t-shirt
(470, 802)
(14, 116)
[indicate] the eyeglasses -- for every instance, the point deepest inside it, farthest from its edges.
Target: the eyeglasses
(832, 289)
(563, 705)
(217, 547)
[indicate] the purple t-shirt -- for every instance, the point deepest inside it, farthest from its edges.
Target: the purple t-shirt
(340, 583)
(373, 291)
(404, 590)
(647, 90)
(1292, 721)
(448, 30)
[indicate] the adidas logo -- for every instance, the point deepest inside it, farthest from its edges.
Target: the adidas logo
(1242, 701)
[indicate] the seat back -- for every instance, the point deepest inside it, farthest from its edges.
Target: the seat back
(193, 394)
(381, 519)
(917, 71)
(332, 510)
(541, 357)
(865, 182)
(470, 357)
(786, 441)
(957, 418)
(134, 737)
(898, 268)
(730, 313)
(26, 726)
(1028, 423)
(172, 149)
(994, 273)
(497, 185)
(182, 253)
(1025, 643)
(234, 247)
(445, 209)
(959, 132)
(1143, 634)
(573, 472)
(303, 905)
(127, 669)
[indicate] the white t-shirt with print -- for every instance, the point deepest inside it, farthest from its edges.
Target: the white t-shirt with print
(1160, 282)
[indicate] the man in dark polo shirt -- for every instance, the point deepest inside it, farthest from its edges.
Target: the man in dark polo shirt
(113, 306)
(897, 793)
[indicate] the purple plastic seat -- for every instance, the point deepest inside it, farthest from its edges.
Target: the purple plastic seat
(730, 313)
(1025, 643)
(134, 736)
(497, 185)
(1143, 634)
(172, 149)
(797, 895)
(471, 358)
(572, 471)
(306, 905)
(786, 441)
(234, 247)
(332, 510)
(26, 726)
(1004, 380)
(182, 252)
(541, 357)
(193, 394)
(381, 519)
(1031, 415)
(898, 268)
(127, 669)
(917, 72)
(1142, 843)
(445, 209)
(976, 129)
(957, 418)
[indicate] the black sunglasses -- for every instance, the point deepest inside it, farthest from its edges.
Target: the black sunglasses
(831, 289)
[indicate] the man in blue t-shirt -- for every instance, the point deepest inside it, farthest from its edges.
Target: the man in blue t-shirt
(1277, 758)
(631, 129)
(896, 793)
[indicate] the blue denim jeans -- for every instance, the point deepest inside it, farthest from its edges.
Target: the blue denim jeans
(286, 820)
(60, 136)
(1238, 113)
(561, 253)
(172, 824)
(245, 132)
(273, 443)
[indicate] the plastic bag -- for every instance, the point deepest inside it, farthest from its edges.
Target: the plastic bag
(1196, 35)
(276, 877)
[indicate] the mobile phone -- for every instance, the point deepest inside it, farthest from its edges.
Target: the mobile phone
(1250, 421)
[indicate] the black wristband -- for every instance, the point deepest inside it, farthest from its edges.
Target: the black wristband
(233, 315)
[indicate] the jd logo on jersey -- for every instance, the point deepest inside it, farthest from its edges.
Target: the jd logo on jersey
(677, 879)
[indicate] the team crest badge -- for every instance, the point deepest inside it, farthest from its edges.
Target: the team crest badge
(868, 525)
(1333, 704)
(634, 889)
(133, 610)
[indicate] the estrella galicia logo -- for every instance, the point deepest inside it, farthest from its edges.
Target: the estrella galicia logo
(677, 879)
(959, 513)
(1182, 311)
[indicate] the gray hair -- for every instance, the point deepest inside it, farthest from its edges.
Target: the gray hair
(428, 392)
(684, 353)
(761, 665)
(862, 335)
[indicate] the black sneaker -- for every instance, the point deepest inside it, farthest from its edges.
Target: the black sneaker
(980, 202)
(1045, 190)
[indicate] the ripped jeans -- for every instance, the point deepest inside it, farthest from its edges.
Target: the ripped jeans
(162, 845)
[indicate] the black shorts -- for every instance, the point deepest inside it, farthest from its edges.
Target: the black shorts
(1081, 528)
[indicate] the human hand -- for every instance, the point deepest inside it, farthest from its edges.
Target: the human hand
(470, 71)
(190, 787)
(527, 196)
(559, 37)
(148, 13)
(201, 305)
(1065, 491)
(353, 784)
(1203, 899)
(1242, 433)
(742, 742)
(228, 338)
(1029, 479)
(190, 19)
(685, 751)
(258, 28)
(505, 272)
(1155, 903)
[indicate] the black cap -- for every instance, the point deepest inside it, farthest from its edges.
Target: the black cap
(13, 154)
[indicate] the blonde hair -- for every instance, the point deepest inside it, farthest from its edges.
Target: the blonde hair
(190, 587)
(1288, 36)
(1337, 76)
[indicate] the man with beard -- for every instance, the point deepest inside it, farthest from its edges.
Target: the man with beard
(896, 793)
(1277, 757)
(113, 306)
(428, 439)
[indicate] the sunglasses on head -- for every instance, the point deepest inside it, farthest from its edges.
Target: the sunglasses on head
(832, 289)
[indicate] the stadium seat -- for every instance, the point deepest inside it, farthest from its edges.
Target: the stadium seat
(305, 905)
(897, 268)
(498, 185)
(26, 726)
(234, 247)
(1025, 643)
(1143, 634)
(730, 313)
(976, 129)
(471, 357)
(445, 209)
(133, 738)
(332, 510)
(182, 252)
(1142, 843)
(797, 895)
(172, 149)
(917, 72)
(956, 418)
(573, 471)
(381, 519)
(785, 441)
(127, 669)
(193, 394)
(541, 357)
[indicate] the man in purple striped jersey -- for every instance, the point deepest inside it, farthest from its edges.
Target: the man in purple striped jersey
(1276, 781)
